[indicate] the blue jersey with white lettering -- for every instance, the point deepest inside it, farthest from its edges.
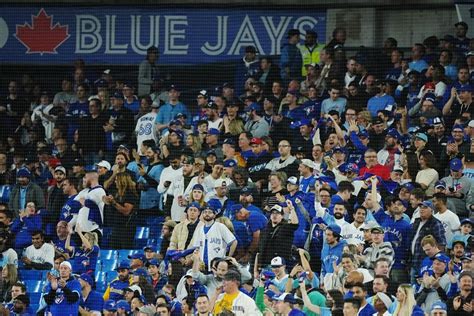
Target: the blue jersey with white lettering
(60, 306)
(397, 232)
(85, 261)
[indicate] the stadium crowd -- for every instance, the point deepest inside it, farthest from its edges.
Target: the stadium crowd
(314, 184)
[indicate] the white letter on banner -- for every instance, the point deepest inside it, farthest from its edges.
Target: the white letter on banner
(110, 46)
(303, 21)
(172, 34)
(87, 30)
(245, 36)
(221, 44)
(276, 33)
(138, 47)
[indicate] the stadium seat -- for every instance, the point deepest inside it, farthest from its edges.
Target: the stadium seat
(31, 275)
(142, 232)
(99, 278)
(108, 265)
(34, 297)
(109, 276)
(108, 254)
(124, 253)
(34, 286)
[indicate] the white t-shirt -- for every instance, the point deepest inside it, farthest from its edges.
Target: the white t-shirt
(450, 223)
(145, 130)
(94, 194)
(41, 255)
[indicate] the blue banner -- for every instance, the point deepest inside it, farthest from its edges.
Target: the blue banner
(121, 35)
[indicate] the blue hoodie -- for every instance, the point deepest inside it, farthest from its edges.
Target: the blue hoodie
(329, 255)
(397, 232)
(301, 234)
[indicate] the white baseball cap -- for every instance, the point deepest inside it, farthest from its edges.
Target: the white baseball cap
(105, 164)
(67, 264)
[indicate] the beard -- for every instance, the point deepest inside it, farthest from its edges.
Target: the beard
(338, 215)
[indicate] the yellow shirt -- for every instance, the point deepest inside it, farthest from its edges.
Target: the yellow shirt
(225, 304)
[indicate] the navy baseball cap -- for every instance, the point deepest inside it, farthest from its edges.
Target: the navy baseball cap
(335, 229)
(229, 141)
(455, 164)
(363, 133)
(139, 256)
(465, 88)
(110, 306)
(140, 272)
(458, 127)
(427, 204)
(153, 262)
(430, 96)
(213, 131)
(124, 264)
(339, 149)
(150, 247)
(467, 221)
(180, 115)
(123, 304)
(87, 278)
(440, 184)
(230, 163)
(118, 95)
(393, 133)
(173, 87)
(442, 257)
(198, 187)
(253, 107)
(247, 191)
(193, 204)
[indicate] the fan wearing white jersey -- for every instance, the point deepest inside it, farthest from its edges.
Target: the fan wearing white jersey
(146, 128)
(91, 215)
(213, 238)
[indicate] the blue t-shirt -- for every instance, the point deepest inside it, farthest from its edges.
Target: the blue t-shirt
(338, 105)
(418, 65)
(93, 302)
(306, 183)
(133, 106)
(256, 221)
(367, 310)
(60, 306)
(377, 103)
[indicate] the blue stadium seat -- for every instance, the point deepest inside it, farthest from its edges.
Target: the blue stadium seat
(34, 286)
(34, 307)
(109, 276)
(124, 253)
(31, 275)
(99, 277)
(35, 297)
(142, 232)
(108, 254)
(108, 265)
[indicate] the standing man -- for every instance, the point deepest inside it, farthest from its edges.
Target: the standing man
(310, 51)
(146, 129)
(56, 196)
(25, 191)
(213, 238)
(91, 301)
(64, 293)
(290, 59)
(120, 124)
(169, 110)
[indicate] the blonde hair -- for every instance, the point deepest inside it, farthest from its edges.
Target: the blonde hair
(236, 127)
(227, 222)
(197, 143)
(406, 308)
(429, 240)
(124, 184)
(12, 273)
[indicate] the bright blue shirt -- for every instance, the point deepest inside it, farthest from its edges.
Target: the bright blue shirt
(93, 302)
(306, 183)
(338, 105)
(133, 106)
(23, 197)
(70, 208)
(418, 65)
(168, 112)
(84, 261)
(377, 103)
(60, 306)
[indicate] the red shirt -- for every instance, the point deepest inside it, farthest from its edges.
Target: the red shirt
(378, 170)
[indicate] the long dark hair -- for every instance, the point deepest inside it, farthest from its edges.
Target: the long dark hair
(412, 164)
(429, 159)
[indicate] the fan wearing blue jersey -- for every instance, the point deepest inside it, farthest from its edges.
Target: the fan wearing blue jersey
(72, 206)
(64, 293)
(91, 302)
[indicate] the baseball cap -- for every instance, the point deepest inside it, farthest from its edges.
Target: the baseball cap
(270, 294)
(230, 163)
(465, 88)
(133, 288)
(229, 141)
(458, 127)
(173, 87)
(422, 136)
(349, 167)
(117, 95)
(387, 301)
(140, 272)
(286, 297)
(78, 162)
(439, 305)
(393, 133)
(213, 131)
(110, 306)
(440, 184)
(153, 262)
(278, 262)
(87, 278)
(377, 229)
(308, 163)
(61, 169)
(455, 164)
(138, 256)
(235, 208)
(256, 140)
(123, 147)
(467, 221)
(220, 183)
(23, 173)
(253, 107)
(188, 160)
(427, 204)
(442, 257)
(363, 133)
(147, 310)
(339, 149)
(124, 264)
(293, 180)
(247, 191)
(408, 186)
(430, 97)
(276, 209)
(193, 204)
(198, 187)
(335, 229)
(228, 85)
(377, 121)
(123, 304)
(203, 93)
(180, 115)
(369, 225)
(471, 123)
(437, 121)
(150, 247)
(398, 168)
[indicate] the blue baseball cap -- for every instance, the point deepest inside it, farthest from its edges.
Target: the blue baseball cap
(422, 136)
(467, 221)
(123, 304)
(110, 306)
(363, 133)
(150, 247)
(439, 305)
(139, 256)
(23, 173)
(234, 209)
(247, 191)
(229, 141)
(253, 107)
(393, 133)
(442, 257)
(430, 96)
(153, 262)
(427, 204)
(349, 167)
(335, 229)
(459, 127)
(409, 186)
(140, 272)
(124, 264)
(213, 131)
(215, 205)
(463, 88)
(199, 187)
(193, 204)
(230, 163)
(270, 294)
(87, 278)
(440, 184)
(339, 149)
(455, 164)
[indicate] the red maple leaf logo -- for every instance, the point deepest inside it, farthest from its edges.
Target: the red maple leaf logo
(41, 36)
